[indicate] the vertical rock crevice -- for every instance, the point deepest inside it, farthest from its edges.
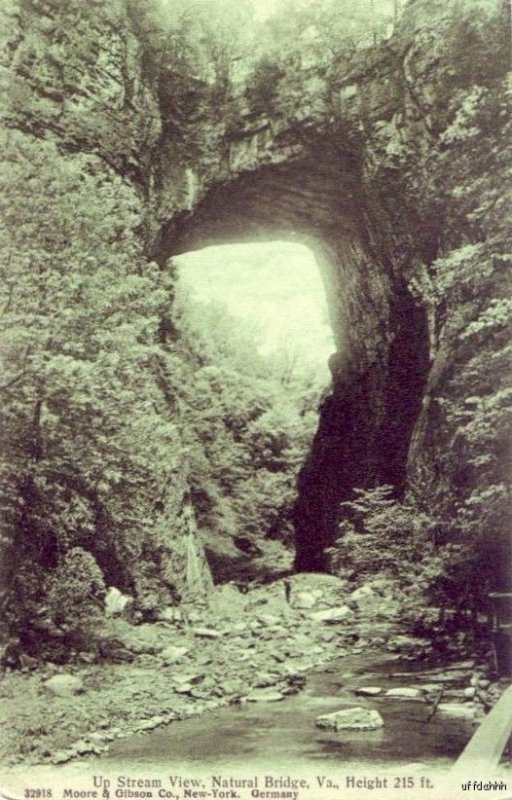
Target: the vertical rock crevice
(365, 430)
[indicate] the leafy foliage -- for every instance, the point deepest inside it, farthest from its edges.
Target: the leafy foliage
(75, 592)
(246, 429)
(443, 583)
(87, 449)
(453, 213)
(379, 534)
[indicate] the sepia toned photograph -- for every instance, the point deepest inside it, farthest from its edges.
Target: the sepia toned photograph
(255, 399)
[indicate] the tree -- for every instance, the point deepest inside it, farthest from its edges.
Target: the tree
(88, 451)
(245, 426)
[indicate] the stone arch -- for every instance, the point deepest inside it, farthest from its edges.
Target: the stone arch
(381, 362)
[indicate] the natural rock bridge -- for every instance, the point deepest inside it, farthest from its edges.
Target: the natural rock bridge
(325, 158)
(303, 170)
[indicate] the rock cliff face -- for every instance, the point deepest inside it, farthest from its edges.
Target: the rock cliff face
(74, 71)
(321, 161)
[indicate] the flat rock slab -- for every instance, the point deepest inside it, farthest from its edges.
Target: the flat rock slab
(405, 693)
(463, 711)
(431, 687)
(264, 697)
(357, 719)
(206, 633)
(333, 615)
(64, 685)
(370, 691)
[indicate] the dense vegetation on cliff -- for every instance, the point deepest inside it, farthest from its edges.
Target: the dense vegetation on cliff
(106, 406)
(247, 422)
(451, 534)
(88, 446)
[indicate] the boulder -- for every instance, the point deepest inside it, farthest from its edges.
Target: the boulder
(183, 688)
(278, 656)
(61, 757)
(149, 724)
(173, 654)
(333, 615)
(113, 649)
(99, 737)
(358, 718)
(405, 692)
(306, 599)
(266, 679)
(81, 747)
(228, 598)
(138, 639)
(383, 586)
(366, 599)
(269, 619)
(191, 678)
(369, 691)
(117, 603)
(64, 685)
(170, 614)
(229, 687)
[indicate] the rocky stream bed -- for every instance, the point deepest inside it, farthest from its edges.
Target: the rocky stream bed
(239, 649)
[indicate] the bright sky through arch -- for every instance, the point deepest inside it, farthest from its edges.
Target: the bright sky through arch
(278, 284)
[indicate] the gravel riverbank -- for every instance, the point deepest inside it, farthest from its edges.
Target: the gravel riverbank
(240, 648)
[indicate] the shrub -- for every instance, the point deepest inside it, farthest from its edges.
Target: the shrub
(378, 534)
(75, 592)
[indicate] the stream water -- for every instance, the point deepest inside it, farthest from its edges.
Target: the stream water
(284, 733)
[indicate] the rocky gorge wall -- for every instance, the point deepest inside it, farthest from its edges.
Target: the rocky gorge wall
(336, 157)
